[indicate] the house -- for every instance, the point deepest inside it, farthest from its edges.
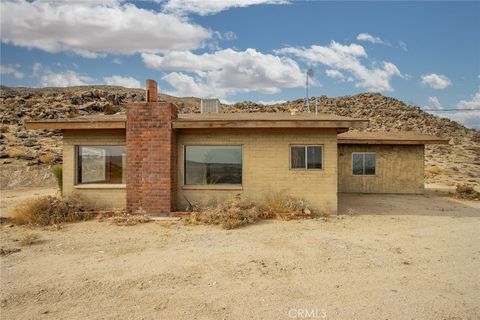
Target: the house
(154, 160)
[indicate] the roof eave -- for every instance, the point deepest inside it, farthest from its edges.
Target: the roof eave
(214, 124)
(51, 125)
(392, 142)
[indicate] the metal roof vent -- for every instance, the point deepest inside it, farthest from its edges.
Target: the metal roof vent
(209, 106)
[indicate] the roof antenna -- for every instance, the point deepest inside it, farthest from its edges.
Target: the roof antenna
(309, 75)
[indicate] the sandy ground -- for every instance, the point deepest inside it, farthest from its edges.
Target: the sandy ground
(10, 198)
(395, 257)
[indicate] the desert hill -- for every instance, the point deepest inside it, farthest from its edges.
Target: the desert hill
(26, 156)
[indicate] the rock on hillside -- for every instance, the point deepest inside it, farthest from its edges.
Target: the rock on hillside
(458, 162)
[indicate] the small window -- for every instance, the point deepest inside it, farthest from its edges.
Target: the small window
(306, 157)
(208, 165)
(101, 164)
(363, 164)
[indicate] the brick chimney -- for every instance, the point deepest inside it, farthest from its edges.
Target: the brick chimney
(151, 147)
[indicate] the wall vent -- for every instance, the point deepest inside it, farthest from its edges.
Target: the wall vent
(209, 106)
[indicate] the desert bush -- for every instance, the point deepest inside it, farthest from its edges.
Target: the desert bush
(17, 152)
(230, 214)
(49, 210)
(29, 239)
(465, 191)
(47, 157)
(58, 172)
(130, 220)
(281, 206)
(3, 128)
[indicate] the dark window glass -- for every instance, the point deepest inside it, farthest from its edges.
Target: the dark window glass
(363, 164)
(101, 164)
(314, 157)
(369, 164)
(297, 157)
(213, 165)
(357, 164)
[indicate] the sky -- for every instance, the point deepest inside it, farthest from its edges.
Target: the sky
(425, 53)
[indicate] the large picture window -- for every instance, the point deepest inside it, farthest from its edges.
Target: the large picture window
(306, 157)
(207, 165)
(363, 164)
(101, 164)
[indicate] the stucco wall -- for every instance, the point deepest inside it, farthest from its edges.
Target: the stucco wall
(103, 196)
(266, 165)
(399, 169)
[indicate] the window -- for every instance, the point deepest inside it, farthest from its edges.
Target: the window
(306, 157)
(363, 164)
(101, 164)
(205, 165)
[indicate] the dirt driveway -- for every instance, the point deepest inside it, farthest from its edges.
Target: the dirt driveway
(395, 257)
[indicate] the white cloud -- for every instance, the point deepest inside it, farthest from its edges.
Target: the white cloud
(436, 81)
(64, 79)
(334, 74)
(470, 119)
(270, 102)
(470, 104)
(403, 45)
(127, 82)
(206, 7)
(347, 58)
(117, 61)
(4, 69)
(227, 71)
(95, 28)
(185, 85)
(433, 103)
(369, 38)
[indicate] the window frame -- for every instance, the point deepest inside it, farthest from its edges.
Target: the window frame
(78, 162)
(208, 186)
(363, 164)
(305, 146)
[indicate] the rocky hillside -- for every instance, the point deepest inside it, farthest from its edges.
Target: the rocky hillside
(26, 156)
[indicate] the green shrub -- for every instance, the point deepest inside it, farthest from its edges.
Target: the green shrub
(58, 172)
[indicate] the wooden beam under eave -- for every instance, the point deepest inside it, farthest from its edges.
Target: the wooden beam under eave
(267, 124)
(75, 125)
(391, 142)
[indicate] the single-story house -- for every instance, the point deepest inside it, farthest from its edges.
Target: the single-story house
(154, 160)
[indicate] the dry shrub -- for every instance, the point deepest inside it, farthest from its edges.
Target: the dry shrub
(465, 191)
(7, 251)
(17, 152)
(284, 207)
(130, 220)
(29, 239)
(47, 157)
(49, 210)
(3, 128)
(230, 214)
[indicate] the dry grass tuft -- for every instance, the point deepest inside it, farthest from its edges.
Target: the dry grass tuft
(130, 220)
(231, 214)
(285, 207)
(465, 191)
(47, 157)
(49, 210)
(29, 239)
(17, 152)
(7, 251)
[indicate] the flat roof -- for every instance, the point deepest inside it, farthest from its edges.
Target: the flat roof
(265, 120)
(115, 121)
(391, 137)
(210, 120)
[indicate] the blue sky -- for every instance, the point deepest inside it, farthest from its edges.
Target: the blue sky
(425, 53)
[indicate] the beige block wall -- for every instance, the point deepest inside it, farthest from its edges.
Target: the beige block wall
(399, 169)
(266, 165)
(103, 196)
